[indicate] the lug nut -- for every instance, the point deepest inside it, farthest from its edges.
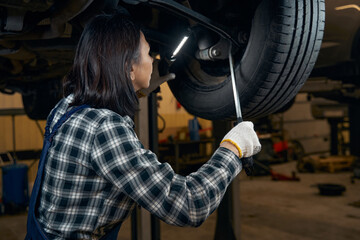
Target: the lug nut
(215, 52)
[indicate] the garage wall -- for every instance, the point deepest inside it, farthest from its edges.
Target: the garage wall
(176, 119)
(27, 134)
(300, 125)
(298, 122)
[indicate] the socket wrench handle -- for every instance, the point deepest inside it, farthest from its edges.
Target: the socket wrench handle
(235, 91)
(247, 163)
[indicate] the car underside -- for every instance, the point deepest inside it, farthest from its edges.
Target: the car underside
(274, 44)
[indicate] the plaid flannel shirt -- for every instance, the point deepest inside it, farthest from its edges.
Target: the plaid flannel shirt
(97, 170)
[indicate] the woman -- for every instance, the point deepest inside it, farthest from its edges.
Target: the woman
(94, 169)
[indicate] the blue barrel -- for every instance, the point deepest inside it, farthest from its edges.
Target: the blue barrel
(194, 126)
(15, 186)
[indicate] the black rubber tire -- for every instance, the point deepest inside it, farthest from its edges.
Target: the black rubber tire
(283, 46)
(40, 98)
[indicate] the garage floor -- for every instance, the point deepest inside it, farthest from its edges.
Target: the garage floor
(269, 210)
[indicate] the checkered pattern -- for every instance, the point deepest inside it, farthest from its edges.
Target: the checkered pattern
(97, 170)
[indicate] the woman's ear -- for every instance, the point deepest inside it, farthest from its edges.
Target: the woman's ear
(132, 73)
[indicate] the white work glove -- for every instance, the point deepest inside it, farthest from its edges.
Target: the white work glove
(155, 81)
(244, 138)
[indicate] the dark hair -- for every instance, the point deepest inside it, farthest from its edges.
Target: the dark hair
(100, 75)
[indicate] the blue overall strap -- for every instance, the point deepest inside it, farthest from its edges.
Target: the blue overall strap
(48, 124)
(34, 230)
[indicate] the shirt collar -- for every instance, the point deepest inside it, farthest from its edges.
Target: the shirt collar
(129, 121)
(69, 99)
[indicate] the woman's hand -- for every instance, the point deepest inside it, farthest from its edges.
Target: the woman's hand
(244, 139)
(156, 81)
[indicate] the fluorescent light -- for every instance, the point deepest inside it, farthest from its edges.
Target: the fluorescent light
(181, 44)
(354, 6)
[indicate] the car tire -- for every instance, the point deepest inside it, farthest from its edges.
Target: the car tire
(283, 46)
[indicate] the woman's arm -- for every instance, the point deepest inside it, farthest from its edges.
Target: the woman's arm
(119, 157)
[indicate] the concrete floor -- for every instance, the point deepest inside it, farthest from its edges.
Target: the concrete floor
(269, 210)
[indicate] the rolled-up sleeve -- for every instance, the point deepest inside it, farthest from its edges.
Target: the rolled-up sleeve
(118, 156)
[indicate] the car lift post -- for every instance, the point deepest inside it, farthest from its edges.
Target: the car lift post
(354, 118)
(228, 212)
(145, 226)
(154, 147)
